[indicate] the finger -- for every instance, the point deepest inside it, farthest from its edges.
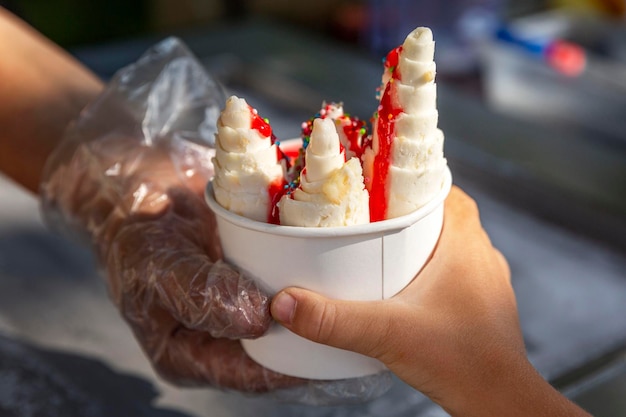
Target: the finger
(216, 299)
(164, 258)
(462, 224)
(462, 227)
(194, 358)
(461, 210)
(351, 325)
(462, 243)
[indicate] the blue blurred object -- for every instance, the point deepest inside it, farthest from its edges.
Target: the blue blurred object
(559, 68)
(533, 46)
(565, 57)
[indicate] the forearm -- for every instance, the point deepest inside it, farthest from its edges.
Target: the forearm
(513, 389)
(42, 88)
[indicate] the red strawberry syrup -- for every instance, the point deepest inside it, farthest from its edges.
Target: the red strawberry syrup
(355, 131)
(276, 188)
(387, 114)
(259, 124)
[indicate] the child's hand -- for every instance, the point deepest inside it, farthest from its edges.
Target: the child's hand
(453, 333)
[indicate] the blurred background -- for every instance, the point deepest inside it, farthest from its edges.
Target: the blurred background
(483, 46)
(532, 100)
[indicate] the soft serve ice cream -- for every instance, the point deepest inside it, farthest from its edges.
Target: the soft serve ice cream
(405, 164)
(331, 190)
(249, 176)
(341, 176)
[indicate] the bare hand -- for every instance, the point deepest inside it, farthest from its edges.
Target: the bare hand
(453, 333)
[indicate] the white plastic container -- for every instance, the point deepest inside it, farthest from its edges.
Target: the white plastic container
(365, 262)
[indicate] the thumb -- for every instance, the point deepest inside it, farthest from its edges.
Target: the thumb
(358, 326)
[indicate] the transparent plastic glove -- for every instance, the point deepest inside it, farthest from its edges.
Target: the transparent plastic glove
(129, 177)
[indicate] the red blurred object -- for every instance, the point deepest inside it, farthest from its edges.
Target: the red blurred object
(566, 57)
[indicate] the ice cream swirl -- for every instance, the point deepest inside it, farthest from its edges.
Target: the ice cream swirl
(405, 164)
(331, 191)
(248, 172)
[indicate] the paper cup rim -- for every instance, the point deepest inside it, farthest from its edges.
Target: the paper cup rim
(336, 231)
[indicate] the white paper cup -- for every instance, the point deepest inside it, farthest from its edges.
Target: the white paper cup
(365, 262)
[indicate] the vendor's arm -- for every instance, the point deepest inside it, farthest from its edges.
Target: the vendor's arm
(42, 88)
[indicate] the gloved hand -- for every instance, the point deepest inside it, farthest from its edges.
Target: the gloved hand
(130, 176)
(156, 239)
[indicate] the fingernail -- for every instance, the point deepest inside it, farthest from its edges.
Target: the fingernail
(283, 307)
